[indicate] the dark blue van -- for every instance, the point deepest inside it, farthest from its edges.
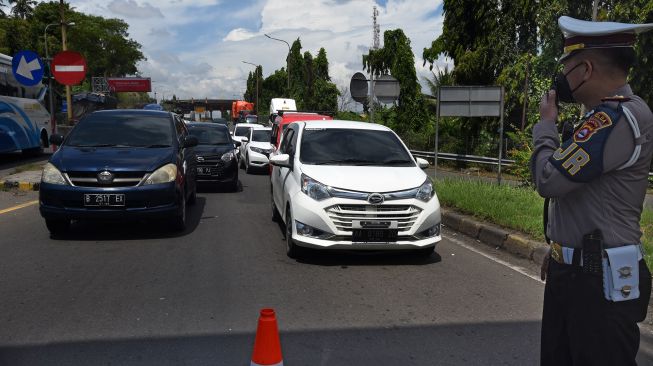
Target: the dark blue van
(120, 164)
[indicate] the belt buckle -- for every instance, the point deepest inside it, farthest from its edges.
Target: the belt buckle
(556, 252)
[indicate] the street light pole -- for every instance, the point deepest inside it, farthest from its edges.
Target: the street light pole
(256, 71)
(287, 59)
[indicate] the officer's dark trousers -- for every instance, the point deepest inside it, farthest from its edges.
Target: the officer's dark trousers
(581, 327)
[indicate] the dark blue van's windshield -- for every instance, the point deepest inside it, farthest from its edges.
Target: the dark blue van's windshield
(128, 129)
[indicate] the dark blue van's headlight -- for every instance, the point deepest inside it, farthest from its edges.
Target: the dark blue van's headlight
(52, 175)
(164, 174)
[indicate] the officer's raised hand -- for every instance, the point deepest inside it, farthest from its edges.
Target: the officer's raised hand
(548, 107)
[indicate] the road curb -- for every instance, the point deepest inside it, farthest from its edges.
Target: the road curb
(21, 186)
(493, 235)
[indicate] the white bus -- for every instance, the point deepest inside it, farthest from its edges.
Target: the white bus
(24, 121)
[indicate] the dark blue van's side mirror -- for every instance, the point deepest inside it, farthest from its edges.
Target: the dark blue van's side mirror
(56, 139)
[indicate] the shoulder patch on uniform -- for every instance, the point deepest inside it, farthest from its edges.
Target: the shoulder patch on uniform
(616, 98)
(580, 158)
(594, 122)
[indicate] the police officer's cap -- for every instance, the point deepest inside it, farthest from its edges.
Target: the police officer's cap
(582, 34)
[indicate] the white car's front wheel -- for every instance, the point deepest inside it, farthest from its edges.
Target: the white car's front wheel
(248, 168)
(292, 250)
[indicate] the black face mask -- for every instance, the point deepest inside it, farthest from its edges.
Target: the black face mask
(561, 86)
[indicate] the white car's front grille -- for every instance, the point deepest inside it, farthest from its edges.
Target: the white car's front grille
(343, 215)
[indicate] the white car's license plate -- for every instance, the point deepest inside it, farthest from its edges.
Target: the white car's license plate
(114, 200)
(374, 235)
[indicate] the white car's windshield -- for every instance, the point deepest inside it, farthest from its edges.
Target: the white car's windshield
(336, 146)
(261, 135)
(241, 131)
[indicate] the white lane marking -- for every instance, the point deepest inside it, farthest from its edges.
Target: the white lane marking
(518, 269)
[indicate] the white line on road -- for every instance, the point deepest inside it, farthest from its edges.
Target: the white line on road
(519, 269)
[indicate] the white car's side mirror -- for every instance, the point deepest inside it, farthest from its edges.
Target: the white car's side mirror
(244, 140)
(422, 163)
(281, 160)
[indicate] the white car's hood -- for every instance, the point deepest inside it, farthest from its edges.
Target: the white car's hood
(366, 178)
(260, 144)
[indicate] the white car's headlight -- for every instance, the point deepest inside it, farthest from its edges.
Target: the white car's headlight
(261, 151)
(52, 175)
(164, 174)
(227, 157)
(314, 189)
(425, 192)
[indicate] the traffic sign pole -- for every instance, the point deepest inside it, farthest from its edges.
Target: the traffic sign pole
(64, 47)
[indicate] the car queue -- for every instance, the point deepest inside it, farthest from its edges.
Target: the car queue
(334, 184)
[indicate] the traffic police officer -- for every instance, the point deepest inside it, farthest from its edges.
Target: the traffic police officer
(597, 285)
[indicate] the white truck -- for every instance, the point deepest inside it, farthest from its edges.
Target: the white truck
(281, 104)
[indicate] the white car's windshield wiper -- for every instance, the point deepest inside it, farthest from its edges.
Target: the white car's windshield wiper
(360, 162)
(397, 162)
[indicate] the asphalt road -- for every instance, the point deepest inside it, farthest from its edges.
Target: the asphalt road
(135, 294)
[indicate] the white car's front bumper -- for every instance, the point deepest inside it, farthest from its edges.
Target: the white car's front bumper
(334, 218)
(257, 159)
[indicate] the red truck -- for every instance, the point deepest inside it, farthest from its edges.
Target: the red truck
(241, 108)
(286, 118)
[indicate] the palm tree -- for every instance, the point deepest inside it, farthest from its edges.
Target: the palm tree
(444, 77)
(22, 8)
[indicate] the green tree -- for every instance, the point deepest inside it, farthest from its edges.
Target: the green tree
(104, 42)
(396, 57)
(310, 83)
(274, 86)
(250, 92)
(322, 65)
(307, 88)
(22, 8)
(296, 66)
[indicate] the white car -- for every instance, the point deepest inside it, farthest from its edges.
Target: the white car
(256, 148)
(242, 130)
(352, 185)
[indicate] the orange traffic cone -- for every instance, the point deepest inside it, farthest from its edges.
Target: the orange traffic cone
(267, 346)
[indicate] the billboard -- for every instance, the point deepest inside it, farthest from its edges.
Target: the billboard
(118, 85)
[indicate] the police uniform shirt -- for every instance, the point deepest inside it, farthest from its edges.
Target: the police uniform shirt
(585, 175)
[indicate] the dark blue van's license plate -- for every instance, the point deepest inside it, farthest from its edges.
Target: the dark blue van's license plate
(374, 235)
(113, 200)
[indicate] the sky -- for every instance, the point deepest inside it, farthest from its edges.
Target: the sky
(196, 48)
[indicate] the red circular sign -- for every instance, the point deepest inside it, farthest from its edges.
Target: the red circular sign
(69, 67)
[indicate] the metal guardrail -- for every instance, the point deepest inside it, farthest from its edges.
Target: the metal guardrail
(469, 158)
(466, 158)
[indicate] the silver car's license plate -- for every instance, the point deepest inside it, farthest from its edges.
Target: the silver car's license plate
(112, 200)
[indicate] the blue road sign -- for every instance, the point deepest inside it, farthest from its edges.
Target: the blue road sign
(27, 68)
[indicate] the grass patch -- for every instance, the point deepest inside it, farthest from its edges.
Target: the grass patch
(646, 224)
(512, 207)
(29, 167)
